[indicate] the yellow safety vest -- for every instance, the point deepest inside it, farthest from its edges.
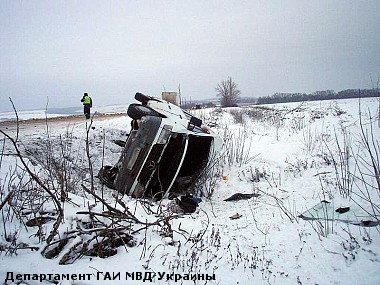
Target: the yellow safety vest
(87, 100)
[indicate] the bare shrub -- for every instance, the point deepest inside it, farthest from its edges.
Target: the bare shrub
(60, 162)
(236, 147)
(345, 177)
(206, 183)
(238, 116)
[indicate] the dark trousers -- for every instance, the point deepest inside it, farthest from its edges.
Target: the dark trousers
(86, 110)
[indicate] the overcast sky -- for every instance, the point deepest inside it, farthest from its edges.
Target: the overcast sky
(112, 49)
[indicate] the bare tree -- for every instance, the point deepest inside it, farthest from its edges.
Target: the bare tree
(228, 92)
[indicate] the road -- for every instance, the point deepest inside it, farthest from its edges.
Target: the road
(38, 125)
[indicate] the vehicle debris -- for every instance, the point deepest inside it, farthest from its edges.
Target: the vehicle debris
(241, 196)
(186, 204)
(236, 216)
(353, 214)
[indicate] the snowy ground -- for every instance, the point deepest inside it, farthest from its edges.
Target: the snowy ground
(293, 155)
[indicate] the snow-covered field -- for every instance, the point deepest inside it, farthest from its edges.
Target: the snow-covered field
(293, 156)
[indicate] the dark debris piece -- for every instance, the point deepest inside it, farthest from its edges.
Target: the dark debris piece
(369, 223)
(342, 210)
(119, 143)
(189, 203)
(241, 196)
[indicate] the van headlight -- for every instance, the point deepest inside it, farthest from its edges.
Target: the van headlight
(165, 134)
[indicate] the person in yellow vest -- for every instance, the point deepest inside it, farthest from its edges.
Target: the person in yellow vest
(87, 104)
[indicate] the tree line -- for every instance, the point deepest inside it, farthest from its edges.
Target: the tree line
(318, 95)
(229, 95)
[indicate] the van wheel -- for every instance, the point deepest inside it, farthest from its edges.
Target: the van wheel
(136, 111)
(142, 98)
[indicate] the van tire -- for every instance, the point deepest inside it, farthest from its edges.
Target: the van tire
(136, 111)
(142, 98)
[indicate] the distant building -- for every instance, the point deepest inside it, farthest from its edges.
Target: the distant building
(171, 97)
